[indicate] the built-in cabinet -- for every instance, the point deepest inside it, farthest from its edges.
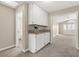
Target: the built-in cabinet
(37, 15)
(36, 42)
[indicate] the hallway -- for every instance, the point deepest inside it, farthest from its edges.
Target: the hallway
(62, 47)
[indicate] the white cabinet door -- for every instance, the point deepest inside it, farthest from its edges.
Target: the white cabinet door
(47, 38)
(32, 43)
(36, 42)
(34, 14)
(39, 42)
(37, 15)
(44, 20)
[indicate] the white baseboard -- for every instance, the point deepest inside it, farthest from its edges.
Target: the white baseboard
(7, 47)
(25, 50)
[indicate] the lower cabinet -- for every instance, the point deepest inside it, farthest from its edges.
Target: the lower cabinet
(46, 38)
(36, 42)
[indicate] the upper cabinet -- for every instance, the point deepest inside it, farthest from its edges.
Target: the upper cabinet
(37, 15)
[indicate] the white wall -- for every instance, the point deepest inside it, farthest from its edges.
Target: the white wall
(7, 28)
(55, 29)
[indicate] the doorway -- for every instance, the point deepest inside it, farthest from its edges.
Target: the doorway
(65, 31)
(19, 29)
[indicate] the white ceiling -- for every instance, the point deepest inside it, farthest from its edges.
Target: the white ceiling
(49, 6)
(12, 4)
(52, 6)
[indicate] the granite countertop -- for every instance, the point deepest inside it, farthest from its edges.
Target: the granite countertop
(38, 29)
(38, 32)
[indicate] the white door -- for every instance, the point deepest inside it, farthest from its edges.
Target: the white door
(18, 29)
